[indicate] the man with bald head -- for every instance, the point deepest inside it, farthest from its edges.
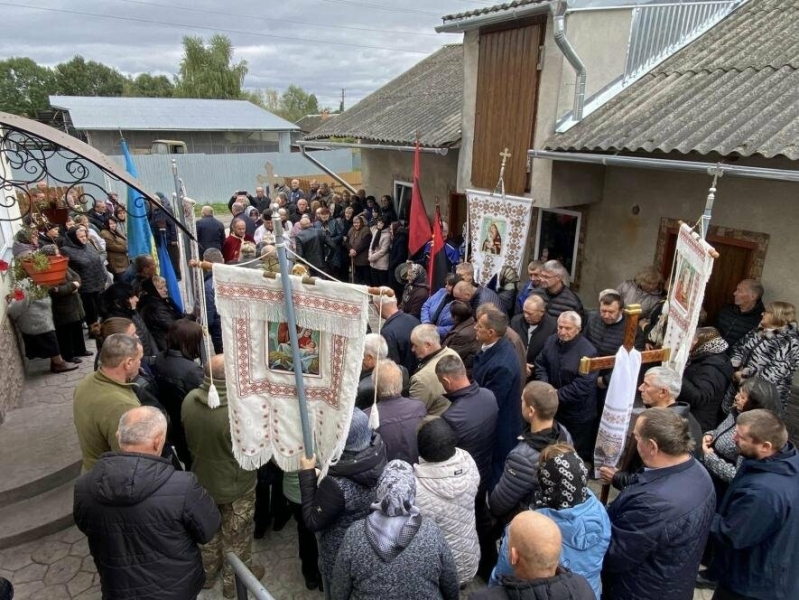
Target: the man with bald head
(210, 230)
(143, 519)
(535, 543)
(208, 437)
(426, 346)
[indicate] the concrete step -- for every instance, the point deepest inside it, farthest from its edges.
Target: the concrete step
(31, 518)
(39, 451)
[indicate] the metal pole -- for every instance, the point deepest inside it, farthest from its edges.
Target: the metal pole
(245, 580)
(330, 172)
(291, 321)
(186, 282)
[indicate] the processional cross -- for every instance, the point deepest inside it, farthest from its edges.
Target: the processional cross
(588, 365)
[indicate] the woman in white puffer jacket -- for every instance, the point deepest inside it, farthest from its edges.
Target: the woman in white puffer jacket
(446, 486)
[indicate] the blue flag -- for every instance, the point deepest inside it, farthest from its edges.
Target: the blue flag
(138, 228)
(168, 271)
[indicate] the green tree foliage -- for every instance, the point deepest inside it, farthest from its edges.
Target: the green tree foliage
(149, 86)
(295, 103)
(24, 86)
(78, 77)
(208, 71)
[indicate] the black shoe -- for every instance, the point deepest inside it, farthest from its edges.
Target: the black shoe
(702, 582)
(87, 353)
(313, 581)
(260, 530)
(280, 522)
(63, 367)
(75, 360)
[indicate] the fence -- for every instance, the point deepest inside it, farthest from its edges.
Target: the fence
(209, 178)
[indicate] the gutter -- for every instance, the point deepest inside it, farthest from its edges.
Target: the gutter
(570, 54)
(663, 164)
(325, 169)
(477, 21)
(328, 145)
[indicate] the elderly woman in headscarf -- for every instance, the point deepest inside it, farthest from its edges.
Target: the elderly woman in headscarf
(87, 262)
(68, 313)
(417, 289)
(345, 494)
(357, 242)
(563, 496)
(25, 240)
(395, 552)
(158, 310)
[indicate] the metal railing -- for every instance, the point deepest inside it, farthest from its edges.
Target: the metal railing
(246, 583)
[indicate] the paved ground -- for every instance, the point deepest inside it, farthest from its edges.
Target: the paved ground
(59, 566)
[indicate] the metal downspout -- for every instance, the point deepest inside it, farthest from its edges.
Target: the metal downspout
(664, 164)
(330, 172)
(559, 32)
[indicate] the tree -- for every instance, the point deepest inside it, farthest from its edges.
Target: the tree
(25, 86)
(78, 77)
(295, 103)
(149, 86)
(208, 71)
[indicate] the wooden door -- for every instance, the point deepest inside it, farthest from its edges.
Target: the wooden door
(507, 95)
(733, 264)
(457, 216)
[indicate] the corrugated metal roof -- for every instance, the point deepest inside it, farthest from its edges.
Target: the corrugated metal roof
(490, 9)
(310, 123)
(428, 98)
(170, 114)
(733, 91)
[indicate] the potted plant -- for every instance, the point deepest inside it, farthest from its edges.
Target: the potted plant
(42, 269)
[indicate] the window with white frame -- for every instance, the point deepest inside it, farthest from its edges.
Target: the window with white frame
(402, 199)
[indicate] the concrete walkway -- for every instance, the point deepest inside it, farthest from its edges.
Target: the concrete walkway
(57, 565)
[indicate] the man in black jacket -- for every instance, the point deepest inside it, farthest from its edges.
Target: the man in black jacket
(144, 520)
(559, 364)
(739, 318)
(516, 488)
(210, 230)
(397, 328)
(309, 243)
(374, 348)
(555, 290)
(534, 327)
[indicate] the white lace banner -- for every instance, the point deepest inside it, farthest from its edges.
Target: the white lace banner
(498, 230)
(261, 389)
(694, 265)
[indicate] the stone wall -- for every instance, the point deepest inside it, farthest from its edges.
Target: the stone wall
(11, 368)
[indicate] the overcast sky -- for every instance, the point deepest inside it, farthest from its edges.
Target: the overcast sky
(321, 45)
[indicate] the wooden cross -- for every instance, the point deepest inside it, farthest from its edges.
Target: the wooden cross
(587, 365)
(270, 180)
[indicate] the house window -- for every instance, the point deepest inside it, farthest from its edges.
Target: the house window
(402, 199)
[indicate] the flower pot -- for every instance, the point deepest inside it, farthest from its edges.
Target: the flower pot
(56, 216)
(53, 275)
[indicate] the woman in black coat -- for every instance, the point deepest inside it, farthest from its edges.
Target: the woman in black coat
(176, 373)
(88, 264)
(706, 377)
(398, 255)
(68, 314)
(120, 300)
(158, 310)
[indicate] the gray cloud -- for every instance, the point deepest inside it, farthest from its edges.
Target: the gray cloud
(296, 41)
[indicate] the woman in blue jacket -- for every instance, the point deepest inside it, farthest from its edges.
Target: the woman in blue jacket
(581, 518)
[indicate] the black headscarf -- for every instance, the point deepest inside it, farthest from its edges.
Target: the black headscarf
(72, 234)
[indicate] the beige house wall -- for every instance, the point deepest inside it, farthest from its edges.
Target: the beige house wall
(618, 242)
(438, 175)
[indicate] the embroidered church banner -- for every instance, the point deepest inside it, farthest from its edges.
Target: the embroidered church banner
(618, 409)
(694, 264)
(498, 229)
(259, 369)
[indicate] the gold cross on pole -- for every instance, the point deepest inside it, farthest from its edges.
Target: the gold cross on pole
(505, 154)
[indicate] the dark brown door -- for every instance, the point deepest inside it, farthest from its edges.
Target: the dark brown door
(733, 264)
(507, 89)
(457, 216)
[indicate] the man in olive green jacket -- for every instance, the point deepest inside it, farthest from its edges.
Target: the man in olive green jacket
(100, 400)
(232, 488)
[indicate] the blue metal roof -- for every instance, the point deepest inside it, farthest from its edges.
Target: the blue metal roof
(169, 114)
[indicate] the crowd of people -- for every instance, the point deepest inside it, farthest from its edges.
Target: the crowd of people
(481, 464)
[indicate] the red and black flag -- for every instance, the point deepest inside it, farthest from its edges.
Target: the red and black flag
(419, 225)
(438, 266)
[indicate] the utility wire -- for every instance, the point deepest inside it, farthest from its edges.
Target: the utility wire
(279, 20)
(387, 8)
(206, 28)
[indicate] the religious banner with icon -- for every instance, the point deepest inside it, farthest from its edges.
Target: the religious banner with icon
(694, 265)
(498, 227)
(259, 366)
